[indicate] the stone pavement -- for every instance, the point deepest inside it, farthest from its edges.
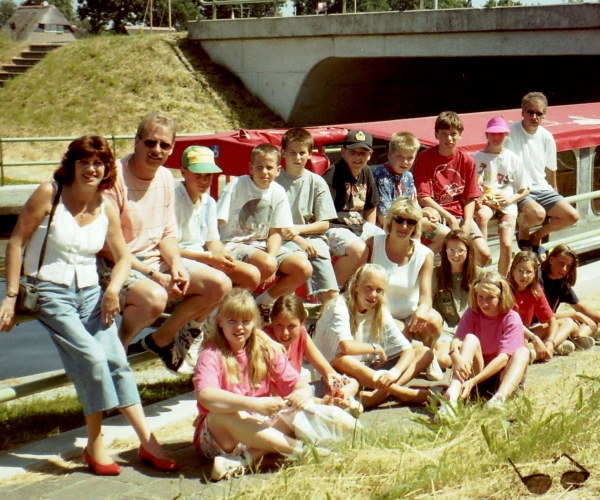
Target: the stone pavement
(53, 469)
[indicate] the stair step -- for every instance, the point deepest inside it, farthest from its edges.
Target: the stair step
(33, 54)
(13, 68)
(6, 76)
(43, 47)
(22, 61)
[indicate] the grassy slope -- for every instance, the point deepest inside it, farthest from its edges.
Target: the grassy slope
(105, 85)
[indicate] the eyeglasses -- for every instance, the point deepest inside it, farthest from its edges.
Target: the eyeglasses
(151, 144)
(401, 220)
(531, 112)
(458, 253)
(541, 483)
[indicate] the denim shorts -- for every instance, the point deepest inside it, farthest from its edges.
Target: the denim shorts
(91, 353)
(547, 199)
(244, 252)
(323, 278)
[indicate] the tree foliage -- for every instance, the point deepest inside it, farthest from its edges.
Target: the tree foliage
(65, 6)
(7, 9)
(114, 15)
(502, 3)
(239, 11)
(308, 7)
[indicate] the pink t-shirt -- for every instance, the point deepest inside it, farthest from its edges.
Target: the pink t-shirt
(147, 211)
(498, 334)
(448, 180)
(528, 306)
(210, 372)
(296, 350)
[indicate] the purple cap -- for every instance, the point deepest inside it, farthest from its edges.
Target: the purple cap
(497, 125)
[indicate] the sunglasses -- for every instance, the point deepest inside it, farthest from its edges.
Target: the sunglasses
(401, 220)
(151, 144)
(541, 483)
(531, 112)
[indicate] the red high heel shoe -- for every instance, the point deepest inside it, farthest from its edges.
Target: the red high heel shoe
(112, 469)
(160, 464)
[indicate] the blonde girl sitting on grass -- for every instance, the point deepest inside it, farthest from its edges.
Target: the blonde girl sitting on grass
(242, 380)
(359, 337)
(488, 351)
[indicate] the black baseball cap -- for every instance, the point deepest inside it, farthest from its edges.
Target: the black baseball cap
(358, 139)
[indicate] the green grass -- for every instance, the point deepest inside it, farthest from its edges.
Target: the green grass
(34, 418)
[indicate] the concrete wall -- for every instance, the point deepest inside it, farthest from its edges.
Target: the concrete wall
(291, 63)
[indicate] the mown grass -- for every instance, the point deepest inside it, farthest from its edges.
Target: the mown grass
(106, 84)
(37, 417)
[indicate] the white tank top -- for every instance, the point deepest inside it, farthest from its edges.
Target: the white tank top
(402, 292)
(70, 251)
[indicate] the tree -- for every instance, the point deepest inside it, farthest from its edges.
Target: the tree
(248, 10)
(7, 9)
(65, 6)
(308, 7)
(114, 15)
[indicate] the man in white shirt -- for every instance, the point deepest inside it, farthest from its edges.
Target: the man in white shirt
(536, 147)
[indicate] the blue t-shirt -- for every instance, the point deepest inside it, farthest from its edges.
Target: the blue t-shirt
(390, 185)
(557, 292)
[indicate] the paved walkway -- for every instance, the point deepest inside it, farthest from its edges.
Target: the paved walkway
(53, 469)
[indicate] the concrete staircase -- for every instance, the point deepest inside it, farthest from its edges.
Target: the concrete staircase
(28, 58)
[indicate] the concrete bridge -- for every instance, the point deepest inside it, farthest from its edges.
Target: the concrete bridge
(331, 69)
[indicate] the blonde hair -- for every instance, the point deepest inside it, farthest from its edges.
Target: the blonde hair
(357, 277)
(492, 282)
(260, 348)
(407, 208)
(404, 140)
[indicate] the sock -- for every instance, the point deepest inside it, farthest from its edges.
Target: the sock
(453, 393)
(265, 299)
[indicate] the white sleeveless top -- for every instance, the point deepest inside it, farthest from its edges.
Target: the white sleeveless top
(70, 251)
(402, 292)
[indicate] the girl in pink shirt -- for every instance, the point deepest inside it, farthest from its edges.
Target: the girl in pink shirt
(288, 327)
(488, 345)
(530, 303)
(242, 380)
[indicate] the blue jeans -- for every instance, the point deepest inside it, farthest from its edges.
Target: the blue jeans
(91, 352)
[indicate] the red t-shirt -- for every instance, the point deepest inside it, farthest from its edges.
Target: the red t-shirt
(448, 180)
(296, 350)
(528, 306)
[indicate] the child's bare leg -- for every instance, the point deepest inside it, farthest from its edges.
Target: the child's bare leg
(265, 263)
(470, 351)
(245, 275)
(482, 250)
(356, 255)
(506, 236)
(513, 373)
(440, 351)
(295, 270)
(229, 429)
(483, 217)
(432, 330)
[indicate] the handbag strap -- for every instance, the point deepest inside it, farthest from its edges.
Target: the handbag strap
(52, 211)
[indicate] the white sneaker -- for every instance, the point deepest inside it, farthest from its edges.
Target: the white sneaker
(564, 349)
(434, 371)
(495, 404)
(191, 358)
(228, 467)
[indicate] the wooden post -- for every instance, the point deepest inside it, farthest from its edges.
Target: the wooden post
(343, 6)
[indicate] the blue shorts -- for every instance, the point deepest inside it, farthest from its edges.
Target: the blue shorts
(547, 199)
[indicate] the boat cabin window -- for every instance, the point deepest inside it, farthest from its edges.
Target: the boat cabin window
(566, 173)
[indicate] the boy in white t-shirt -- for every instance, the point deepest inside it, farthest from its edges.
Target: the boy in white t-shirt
(196, 213)
(252, 212)
(312, 209)
(504, 182)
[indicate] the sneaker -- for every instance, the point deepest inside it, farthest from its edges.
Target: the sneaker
(564, 349)
(532, 354)
(583, 343)
(228, 466)
(191, 357)
(135, 348)
(495, 404)
(185, 337)
(265, 313)
(168, 354)
(434, 372)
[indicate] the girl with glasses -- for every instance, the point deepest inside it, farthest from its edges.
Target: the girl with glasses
(409, 268)
(450, 287)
